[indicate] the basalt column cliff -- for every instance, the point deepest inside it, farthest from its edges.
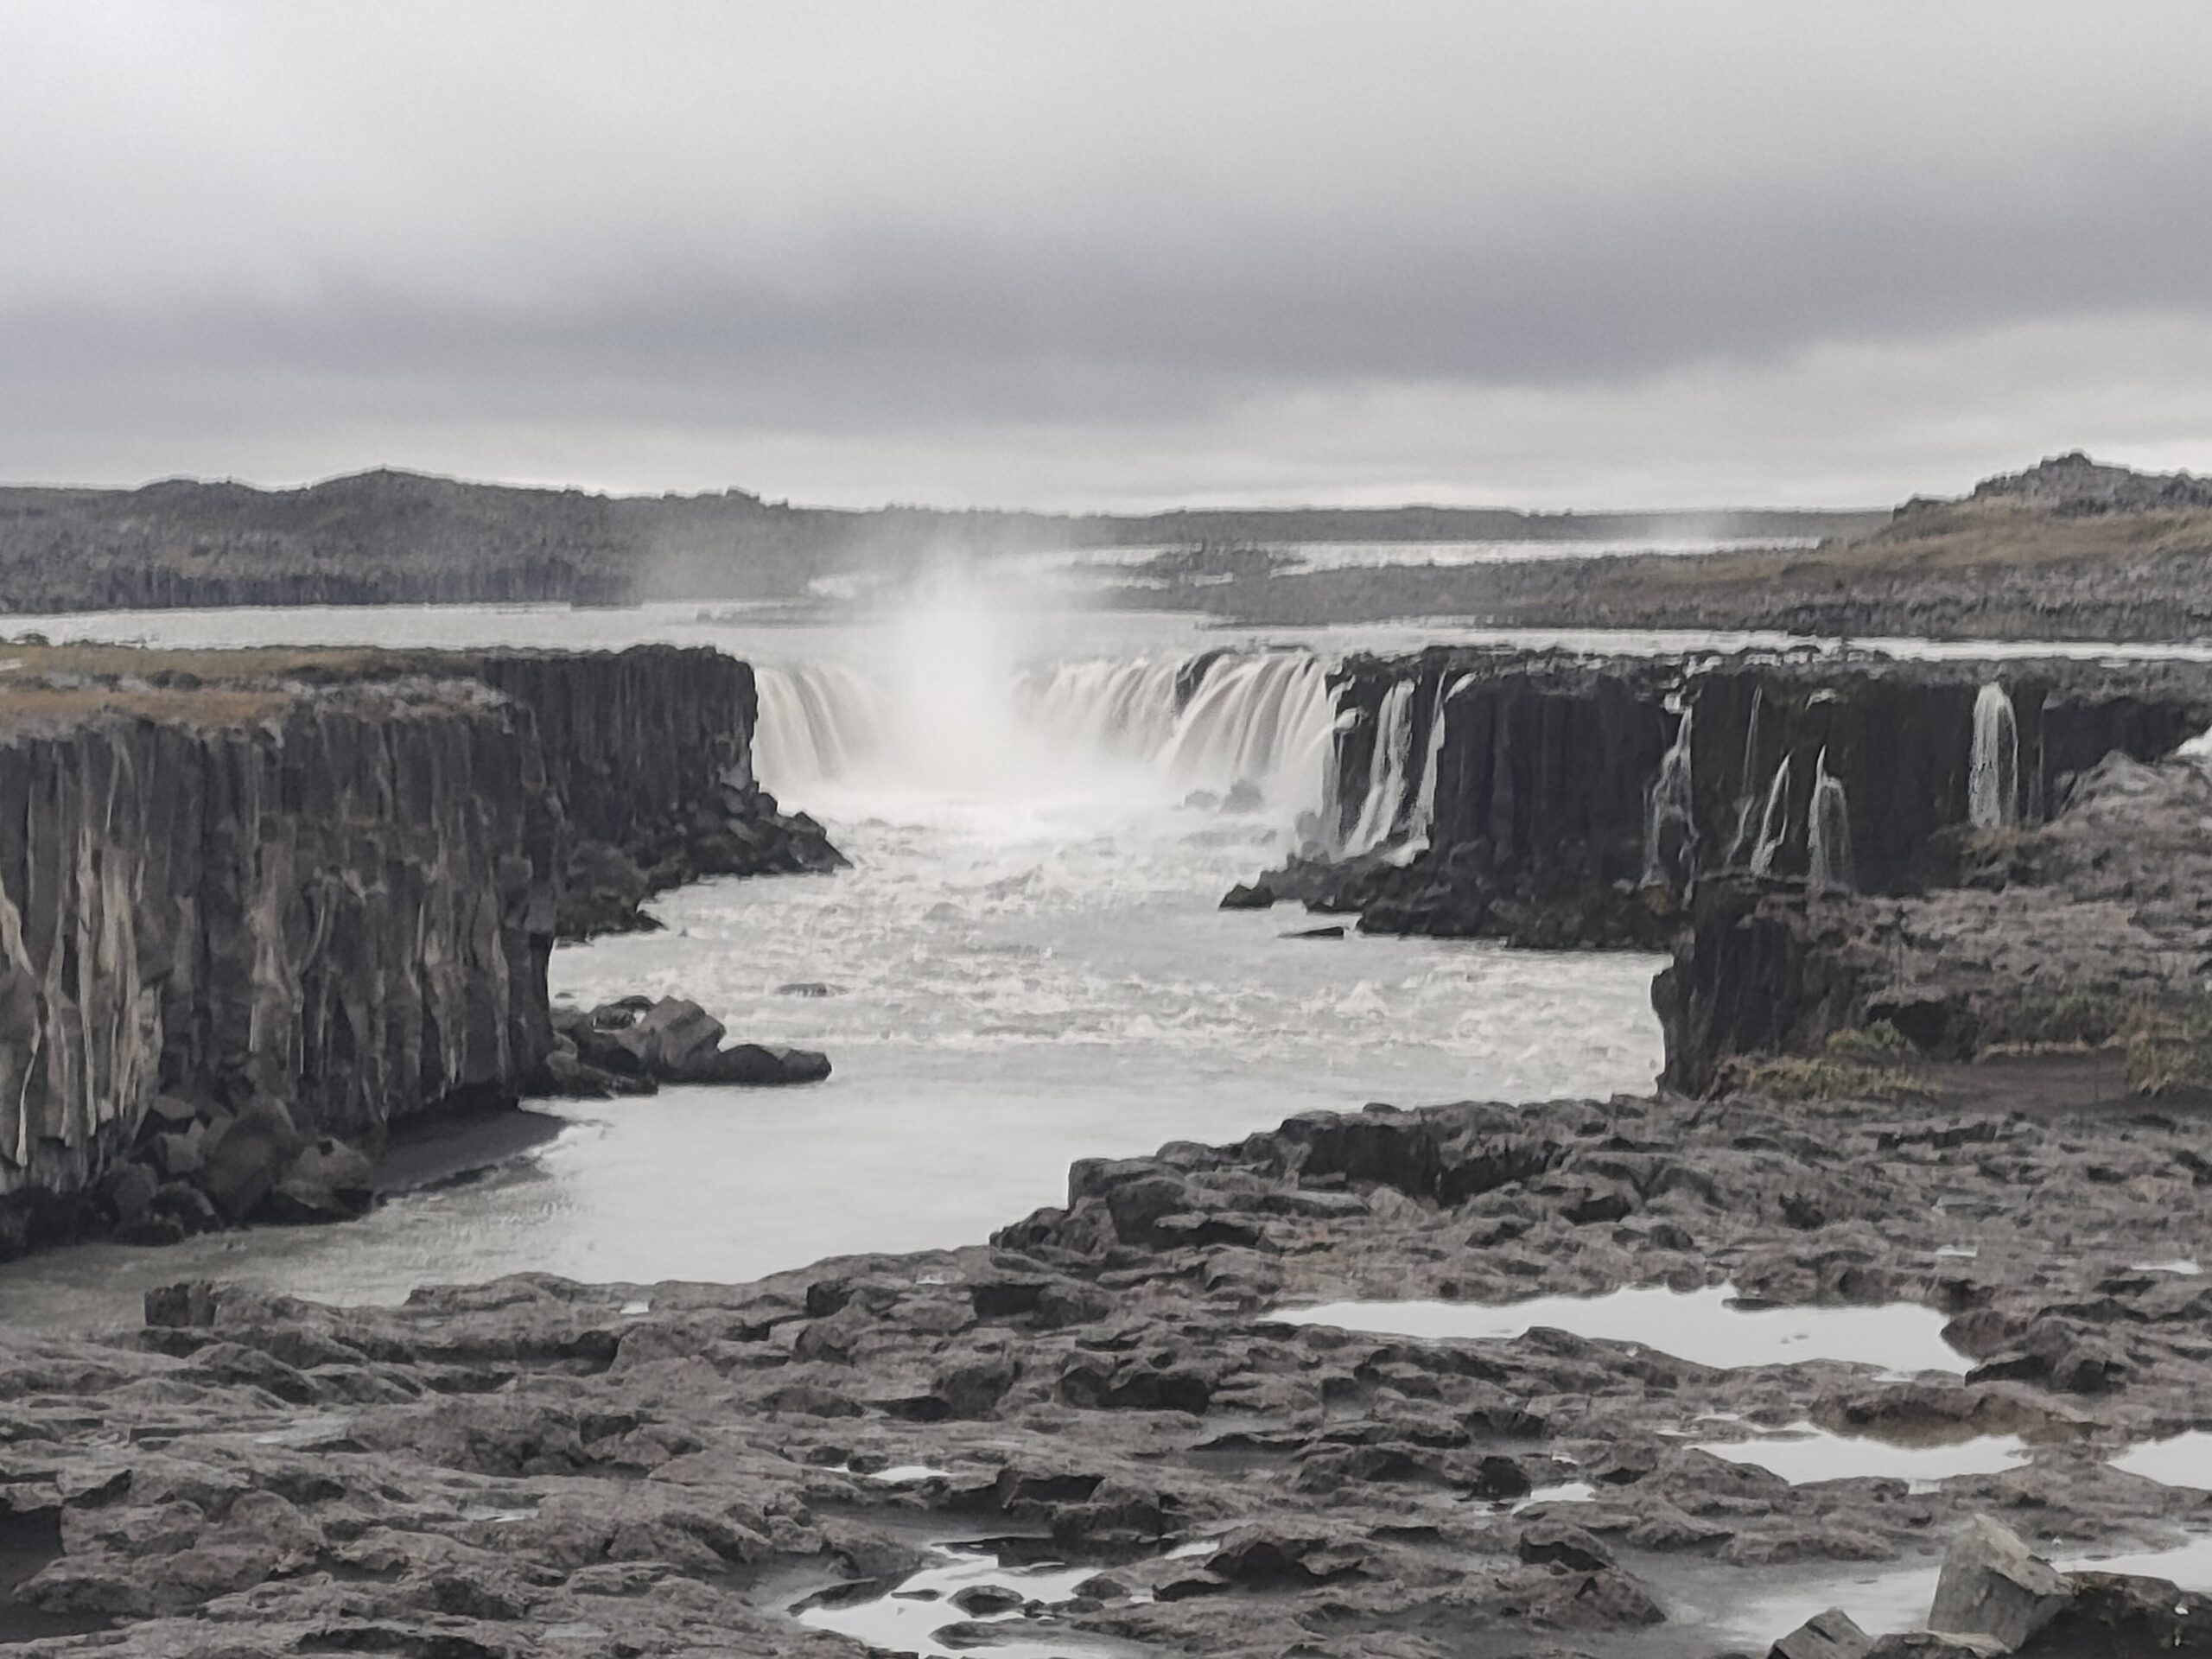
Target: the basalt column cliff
(257, 908)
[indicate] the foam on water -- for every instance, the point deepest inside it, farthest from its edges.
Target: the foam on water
(1706, 1327)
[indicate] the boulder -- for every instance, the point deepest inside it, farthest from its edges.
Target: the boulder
(328, 1181)
(2114, 1613)
(1936, 1644)
(756, 1064)
(130, 1192)
(1992, 1585)
(1256, 896)
(1831, 1635)
(241, 1157)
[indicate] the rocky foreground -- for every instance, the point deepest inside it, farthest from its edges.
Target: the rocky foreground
(534, 1466)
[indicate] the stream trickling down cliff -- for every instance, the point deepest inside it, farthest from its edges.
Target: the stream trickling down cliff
(1025, 966)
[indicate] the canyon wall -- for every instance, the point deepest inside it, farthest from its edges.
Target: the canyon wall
(257, 908)
(1553, 800)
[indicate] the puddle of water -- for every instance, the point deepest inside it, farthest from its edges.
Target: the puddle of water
(2184, 1461)
(2184, 1267)
(1701, 1326)
(1803, 1455)
(1573, 1492)
(907, 1619)
(301, 1431)
(904, 1474)
(2188, 1566)
(1881, 1600)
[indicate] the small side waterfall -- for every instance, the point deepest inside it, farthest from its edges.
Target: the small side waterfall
(1774, 821)
(1993, 763)
(1828, 830)
(1747, 803)
(1422, 823)
(1386, 773)
(1671, 814)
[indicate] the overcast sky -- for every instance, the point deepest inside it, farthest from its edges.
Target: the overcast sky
(1119, 255)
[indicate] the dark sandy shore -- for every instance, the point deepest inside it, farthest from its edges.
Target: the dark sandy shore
(437, 1152)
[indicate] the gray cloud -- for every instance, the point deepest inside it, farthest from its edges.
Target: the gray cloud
(1110, 253)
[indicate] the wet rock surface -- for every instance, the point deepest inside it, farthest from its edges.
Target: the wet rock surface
(633, 1046)
(538, 1466)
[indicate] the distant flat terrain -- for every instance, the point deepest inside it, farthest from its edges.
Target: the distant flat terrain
(2067, 549)
(389, 537)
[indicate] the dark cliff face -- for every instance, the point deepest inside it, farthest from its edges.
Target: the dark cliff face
(1575, 802)
(322, 909)
(343, 904)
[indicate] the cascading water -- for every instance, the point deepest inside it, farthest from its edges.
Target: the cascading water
(1386, 773)
(816, 722)
(1671, 814)
(1260, 719)
(1828, 830)
(1422, 822)
(1993, 763)
(1747, 801)
(1774, 821)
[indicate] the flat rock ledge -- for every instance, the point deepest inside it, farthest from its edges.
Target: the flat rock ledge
(538, 1467)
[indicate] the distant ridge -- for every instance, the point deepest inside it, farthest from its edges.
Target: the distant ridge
(2072, 483)
(388, 536)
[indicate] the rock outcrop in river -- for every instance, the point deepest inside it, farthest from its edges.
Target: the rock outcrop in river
(256, 909)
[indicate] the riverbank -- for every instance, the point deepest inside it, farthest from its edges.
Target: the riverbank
(1127, 1386)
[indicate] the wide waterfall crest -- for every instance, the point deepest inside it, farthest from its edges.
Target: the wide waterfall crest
(1386, 773)
(1828, 830)
(1994, 762)
(1671, 814)
(1261, 719)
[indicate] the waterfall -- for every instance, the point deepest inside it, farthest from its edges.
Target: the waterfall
(1422, 822)
(1386, 773)
(1828, 830)
(1261, 719)
(1774, 821)
(816, 723)
(1670, 815)
(1993, 763)
(1747, 803)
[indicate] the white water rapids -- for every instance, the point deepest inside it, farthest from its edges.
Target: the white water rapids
(1027, 963)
